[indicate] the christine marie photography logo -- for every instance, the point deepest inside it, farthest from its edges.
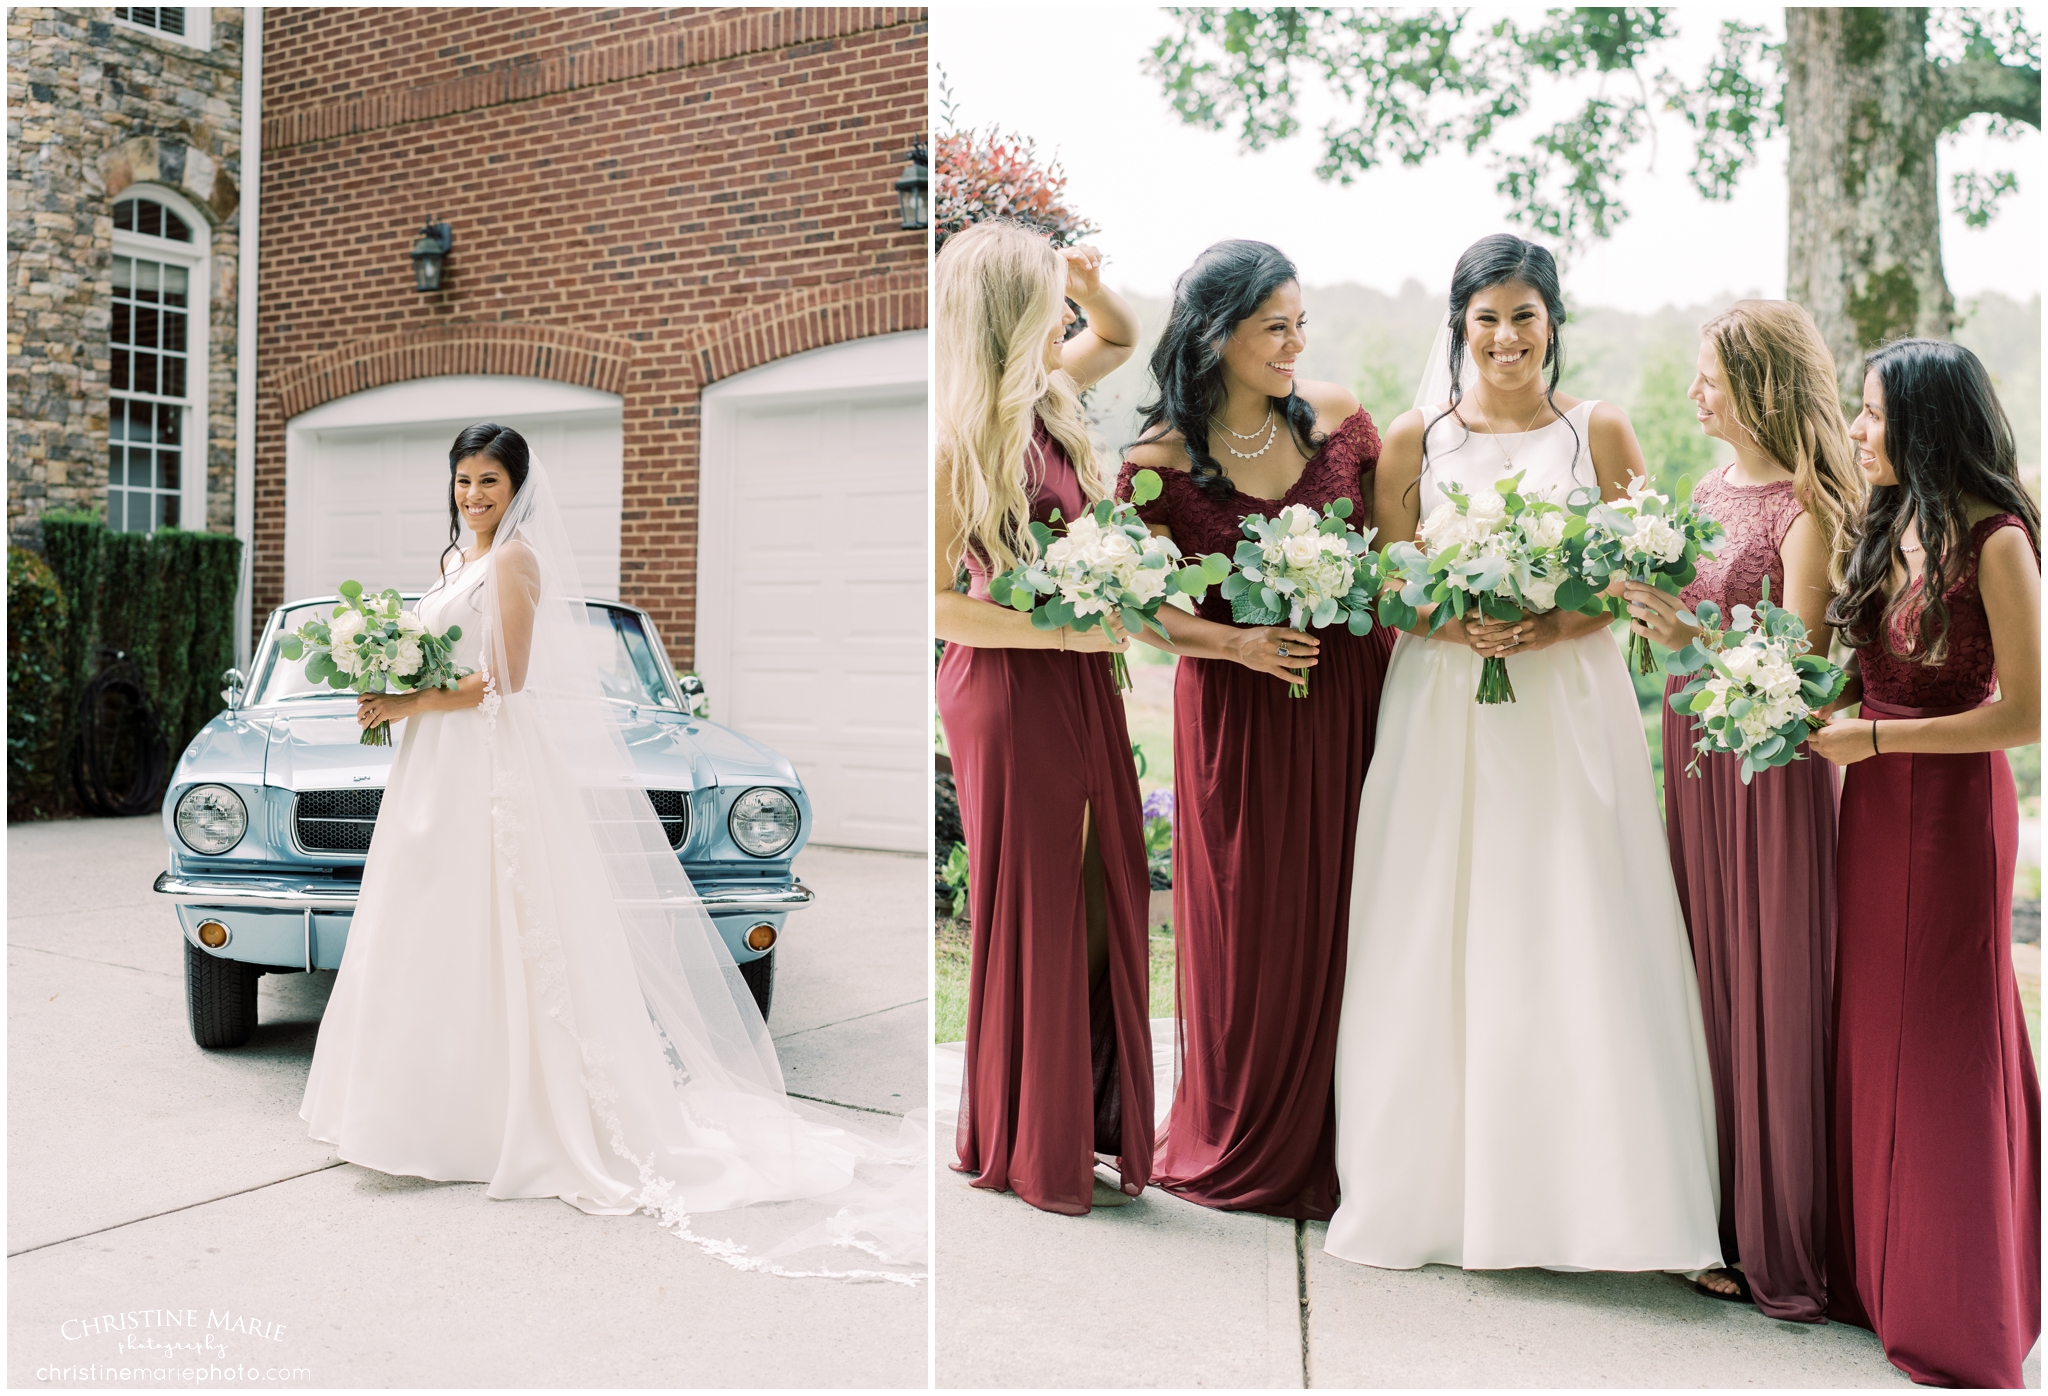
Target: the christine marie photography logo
(183, 1345)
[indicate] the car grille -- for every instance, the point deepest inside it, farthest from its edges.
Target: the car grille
(336, 821)
(341, 821)
(672, 807)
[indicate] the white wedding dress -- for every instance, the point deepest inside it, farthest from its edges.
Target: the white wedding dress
(531, 996)
(1521, 1077)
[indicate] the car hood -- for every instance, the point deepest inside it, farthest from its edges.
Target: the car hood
(316, 746)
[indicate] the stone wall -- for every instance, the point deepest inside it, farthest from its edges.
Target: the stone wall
(642, 200)
(94, 107)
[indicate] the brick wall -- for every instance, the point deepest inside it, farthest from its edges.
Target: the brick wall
(93, 108)
(642, 201)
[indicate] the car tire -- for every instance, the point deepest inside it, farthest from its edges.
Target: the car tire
(220, 998)
(760, 977)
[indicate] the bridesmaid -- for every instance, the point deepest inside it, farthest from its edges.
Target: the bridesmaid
(1934, 1232)
(1754, 863)
(1059, 1049)
(1265, 786)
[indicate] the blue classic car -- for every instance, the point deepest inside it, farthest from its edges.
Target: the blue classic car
(270, 810)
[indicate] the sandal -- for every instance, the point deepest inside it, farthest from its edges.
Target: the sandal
(1741, 1294)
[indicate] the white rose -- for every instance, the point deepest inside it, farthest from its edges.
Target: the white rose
(1487, 507)
(409, 658)
(1445, 528)
(1657, 538)
(1742, 661)
(1302, 550)
(1542, 592)
(1146, 584)
(1299, 519)
(1546, 530)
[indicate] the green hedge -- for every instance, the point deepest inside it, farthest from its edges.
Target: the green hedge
(166, 599)
(38, 621)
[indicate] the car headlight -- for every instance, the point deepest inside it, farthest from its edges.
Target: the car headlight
(763, 821)
(211, 818)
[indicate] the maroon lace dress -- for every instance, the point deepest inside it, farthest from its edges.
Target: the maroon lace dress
(1755, 871)
(1055, 1073)
(1265, 814)
(1934, 1229)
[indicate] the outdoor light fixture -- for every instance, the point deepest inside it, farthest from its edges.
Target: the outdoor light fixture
(913, 188)
(429, 250)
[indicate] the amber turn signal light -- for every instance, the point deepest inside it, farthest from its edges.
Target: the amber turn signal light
(760, 937)
(212, 934)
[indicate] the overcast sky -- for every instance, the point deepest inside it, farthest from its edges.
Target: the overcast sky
(1162, 191)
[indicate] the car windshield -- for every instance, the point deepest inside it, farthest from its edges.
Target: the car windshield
(620, 646)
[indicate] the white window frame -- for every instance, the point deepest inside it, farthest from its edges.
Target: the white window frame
(198, 28)
(195, 257)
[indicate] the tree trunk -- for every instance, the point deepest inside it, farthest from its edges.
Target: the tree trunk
(1864, 108)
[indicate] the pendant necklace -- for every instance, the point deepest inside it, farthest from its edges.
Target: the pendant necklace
(1497, 435)
(1267, 428)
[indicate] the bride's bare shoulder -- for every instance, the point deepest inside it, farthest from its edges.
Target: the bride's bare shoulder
(1158, 453)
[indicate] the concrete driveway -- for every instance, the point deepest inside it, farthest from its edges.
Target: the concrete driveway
(147, 1175)
(1162, 1293)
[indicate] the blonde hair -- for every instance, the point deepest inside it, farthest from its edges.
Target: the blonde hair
(1780, 380)
(1000, 293)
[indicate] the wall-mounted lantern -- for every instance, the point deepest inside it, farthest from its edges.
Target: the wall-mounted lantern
(913, 188)
(429, 250)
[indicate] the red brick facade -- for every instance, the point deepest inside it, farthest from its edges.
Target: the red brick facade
(643, 201)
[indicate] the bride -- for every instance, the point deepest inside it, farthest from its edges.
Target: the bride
(532, 997)
(1521, 1079)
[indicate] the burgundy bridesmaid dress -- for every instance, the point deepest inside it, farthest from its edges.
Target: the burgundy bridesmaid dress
(1054, 1073)
(1755, 870)
(1265, 814)
(1934, 1230)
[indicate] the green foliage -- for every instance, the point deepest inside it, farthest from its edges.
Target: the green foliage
(954, 877)
(1417, 83)
(38, 681)
(166, 599)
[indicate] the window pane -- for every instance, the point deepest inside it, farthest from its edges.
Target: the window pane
(169, 517)
(175, 280)
(120, 332)
(124, 212)
(149, 218)
(174, 331)
(174, 226)
(167, 470)
(114, 512)
(144, 374)
(173, 384)
(115, 471)
(169, 420)
(171, 21)
(119, 374)
(145, 280)
(124, 273)
(146, 321)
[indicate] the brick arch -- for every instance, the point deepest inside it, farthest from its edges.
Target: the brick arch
(517, 349)
(803, 320)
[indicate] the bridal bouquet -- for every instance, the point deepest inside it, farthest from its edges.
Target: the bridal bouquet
(1758, 692)
(1645, 539)
(1301, 570)
(1499, 552)
(1106, 563)
(371, 644)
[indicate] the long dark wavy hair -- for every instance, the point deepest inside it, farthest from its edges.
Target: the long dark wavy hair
(1947, 437)
(503, 445)
(1227, 284)
(1494, 261)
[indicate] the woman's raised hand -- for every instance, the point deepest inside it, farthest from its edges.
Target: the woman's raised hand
(1084, 271)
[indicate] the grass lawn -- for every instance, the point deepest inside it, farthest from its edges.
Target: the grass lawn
(953, 952)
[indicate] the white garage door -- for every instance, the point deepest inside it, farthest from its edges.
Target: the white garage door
(366, 478)
(812, 578)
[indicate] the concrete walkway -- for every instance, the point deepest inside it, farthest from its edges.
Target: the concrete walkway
(1162, 1293)
(146, 1174)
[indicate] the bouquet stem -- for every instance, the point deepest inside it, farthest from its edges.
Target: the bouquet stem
(1493, 681)
(1120, 672)
(1640, 656)
(380, 735)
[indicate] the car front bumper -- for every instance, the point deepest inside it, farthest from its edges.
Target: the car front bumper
(303, 923)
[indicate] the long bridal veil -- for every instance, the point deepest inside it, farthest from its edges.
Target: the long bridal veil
(689, 1099)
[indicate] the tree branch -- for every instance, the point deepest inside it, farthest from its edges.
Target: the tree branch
(1980, 84)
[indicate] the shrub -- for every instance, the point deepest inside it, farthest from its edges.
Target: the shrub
(980, 177)
(38, 683)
